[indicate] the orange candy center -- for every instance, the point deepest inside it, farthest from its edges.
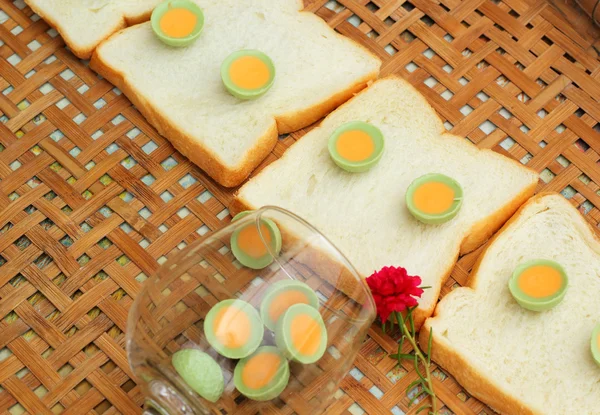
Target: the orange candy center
(540, 281)
(260, 370)
(285, 300)
(232, 327)
(178, 22)
(249, 72)
(355, 145)
(305, 334)
(250, 242)
(433, 198)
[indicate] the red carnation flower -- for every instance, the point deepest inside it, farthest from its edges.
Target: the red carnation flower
(394, 290)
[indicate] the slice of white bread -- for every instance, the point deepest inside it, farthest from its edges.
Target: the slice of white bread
(365, 214)
(180, 92)
(515, 360)
(83, 24)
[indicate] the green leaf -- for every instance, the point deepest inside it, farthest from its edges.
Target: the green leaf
(429, 346)
(383, 327)
(425, 287)
(412, 322)
(424, 407)
(426, 389)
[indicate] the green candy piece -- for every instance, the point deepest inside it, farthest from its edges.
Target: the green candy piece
(241, 215)
(534, 303)
(236, 310)
(243, 93)
(163, 8)
(296, 290)
(260, 363)
(201, 373)
(267, 225)
(361, 166)
(434, 218)
(284, 339)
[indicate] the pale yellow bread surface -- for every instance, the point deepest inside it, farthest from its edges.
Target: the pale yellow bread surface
(515, 360)
(365, 215)
(83, 24)
(180, 91)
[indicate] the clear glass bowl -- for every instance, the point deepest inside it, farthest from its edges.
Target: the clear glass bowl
(168, 315)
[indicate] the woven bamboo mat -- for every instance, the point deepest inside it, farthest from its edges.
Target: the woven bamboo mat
(92, 199)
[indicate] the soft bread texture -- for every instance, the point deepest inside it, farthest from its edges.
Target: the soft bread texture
(180, 92)
(365, 215)
(515, 360)
(83, 24)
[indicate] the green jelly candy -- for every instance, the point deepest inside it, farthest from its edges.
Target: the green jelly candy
(301, 334)
(248, 247)
(263, 375)
(281, 296)
(346, 141)
(201, 372)
(246, 91)
(428, 187)
(163, 8)
(234, 328)
(532, 278)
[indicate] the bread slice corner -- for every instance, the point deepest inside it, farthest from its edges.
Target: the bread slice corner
(83, 24)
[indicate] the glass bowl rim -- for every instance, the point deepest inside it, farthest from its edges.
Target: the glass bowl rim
(345, 262)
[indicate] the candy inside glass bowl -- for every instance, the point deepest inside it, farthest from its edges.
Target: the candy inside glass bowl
(254, 259)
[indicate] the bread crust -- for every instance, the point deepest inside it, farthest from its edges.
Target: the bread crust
(473, 381)
(198, 154)
(237, 205)
(481, 231)
(208, 161)
(447, 357)
(484, 229)
(85, 52)
(187, 145)
(133, 20)
(289, 122)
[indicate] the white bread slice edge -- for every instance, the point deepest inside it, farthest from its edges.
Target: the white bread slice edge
(577, 371)
(49, 10)
(397, 94)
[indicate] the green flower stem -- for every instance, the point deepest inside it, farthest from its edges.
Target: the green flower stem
(409, 334)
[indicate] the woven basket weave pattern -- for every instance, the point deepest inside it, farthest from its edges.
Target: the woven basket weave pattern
(92, 199)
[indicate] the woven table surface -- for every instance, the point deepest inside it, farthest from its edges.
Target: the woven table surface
(92, 199)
